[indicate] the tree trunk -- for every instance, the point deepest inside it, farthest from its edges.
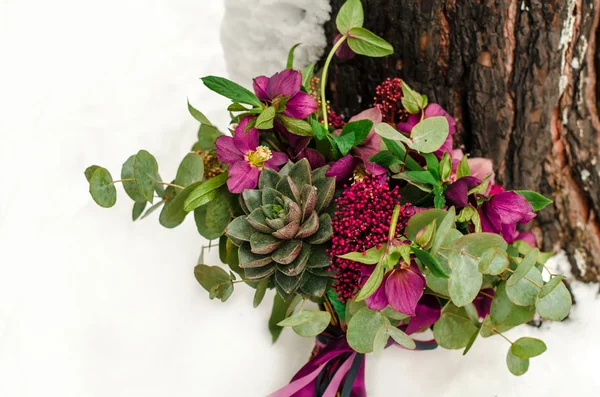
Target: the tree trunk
(519, 77)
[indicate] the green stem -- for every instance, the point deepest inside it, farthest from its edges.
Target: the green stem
(170, 184)
(324, 78)
(394, 222)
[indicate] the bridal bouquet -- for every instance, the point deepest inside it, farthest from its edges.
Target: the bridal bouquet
(395, 236)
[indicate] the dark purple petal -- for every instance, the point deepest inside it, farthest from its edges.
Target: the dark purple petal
(404, 288)
(314, 157)
(343, 168)
(227, 152)
(242, 176)
(512, 207)
(427, 313)
(286, 83)
(483, 303)
(296, 143)
(407, 126)
(445, 148)
(375, 170)
(457, 193)
(300, 106)
(260, 88)
(277, 160)
(378, 301)
(344, 51)
(509, 232)
(245, 141)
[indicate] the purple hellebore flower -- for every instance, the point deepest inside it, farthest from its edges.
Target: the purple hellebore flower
(401, 288)
(528, 237)
(457, 193)
(286, 84)
(344, 51)
(483, 303)
(480, 167)
(245, 157)
(297, 148)
(431, 110)
(372, 143)
(428, 311)
(351, 166)
(501, 213)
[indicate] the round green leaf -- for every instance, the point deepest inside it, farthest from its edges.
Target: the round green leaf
(501, 305)
(494, 261)
(102, 188)
(401, 338)
(550, 285)
(556, 305)
(454, 328)
(131, 187)
(386, 131)
(173, 213)
(297, 319)
(365, 42)
(349, 16)
(527, 347)
(465, 279)
(145, 170)
(317, 324)
(421, 219)
(516, 365)
(430, 134)
(362, 328)
(190, 170)
(381, 338)
(477, 243)
(524, 267)
(524, 292)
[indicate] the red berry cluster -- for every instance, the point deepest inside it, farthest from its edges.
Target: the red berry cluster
(388, 98)
(335, 119)
(361, 221)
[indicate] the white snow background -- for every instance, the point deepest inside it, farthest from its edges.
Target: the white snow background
(92, 304)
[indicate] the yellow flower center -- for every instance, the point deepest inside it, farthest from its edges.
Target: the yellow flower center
(359, 173)
(258, 157)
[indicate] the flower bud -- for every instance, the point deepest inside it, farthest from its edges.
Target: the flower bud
(425, 235)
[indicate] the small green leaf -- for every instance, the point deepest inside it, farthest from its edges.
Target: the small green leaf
(102, 188)
(524, 292)
(295, 126)
(190, 170)
(230, 90)
(89, 171)
(131, 188)
(421, 219)
(215, 280)
(386, 131)
(463, 168)
(385, 159)
(442, 231)
(145, 170)
(261, 289)
(445, 167)
(173, 212)
(204, 193)
(551, 285)
(401, 338)
(527, 347)
(493, 261)
(369, 257)
(556, 305)
(465, 280)
(360, 128)
(381, 338)
(237, 107)
(317, 324)
(524, 267)
(537, 201)
(290, 58)
(297, 319)
(365, 42)
(400, 152)
(319, 131)
(137, 210)
(344, 142)
(430, 134)
(411, 100)
(350, 16)
(516, 365)
(198, 114)
(394, 315)
(278, 313)
(265, 119)
(422, 176)
(362, 328)
(431, 262)
(472, 340)
(454, 328)
(372, 283)
(307, 75)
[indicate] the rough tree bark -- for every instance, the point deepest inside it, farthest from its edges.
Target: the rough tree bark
(519, 76)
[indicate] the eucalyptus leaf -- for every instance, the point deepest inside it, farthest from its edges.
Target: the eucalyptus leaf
(145, 170)
(362, 328)
(365, 42)
(516, 365)
(317, 324)
(551, 285)
(102, 188)
(421, 219)
(173, 212)
(454, 328)
(278, 313)
(349, 16)
(386, 131)
(524, 292)
(524, 267)
(442, 231)
(190, 170)
(137, 210)
(556, 305)
(381, 338)
(465, 280)
(411, 100)
(401, 338)
(128, 177)
(259, 294)
(430, 134)
(527, 347)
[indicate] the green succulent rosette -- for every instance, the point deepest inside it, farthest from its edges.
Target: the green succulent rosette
(284, 233)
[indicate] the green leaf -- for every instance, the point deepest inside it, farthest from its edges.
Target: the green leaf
(439, 200)
(265, 119)
(401, 338)
(524, 293)
(516, 365)
(433, 165)
(476, 244)
(369, 257)
(237, 107)
(493, 261)
(381, 338)
(385, 159)
(386, 131)
(190, 170)
(442, 231)
(145, 170)
(89, 171)
(278, 313)
(102, 188)
(430, 134)
(418, 180)
(465, 280)
(365, 42)
(319, 131)
(153, 208)
(422, 176)
(551, 285)
(445, 166)
(295, 126)
(215, 280)
(297, 319)
(137, 210)
(360, 128)
(315, 325)
(203, 194)
(290, 58)
(343, 142)
(463, 168)
(362, 328)
(537, 201)
(411, 100)
(524, 267)
(307, 74)
(259, 294)
(454, 328)
(372, 283)
(131, 188)
(400, 152)
(556, 305)
(472, 340)
(421, 219)
(527, 347)
(501, 306)
(230, 90)
(395, 253)
(173, 212)
(198, 115)
(349, 16)
(394, 315)
(431, 262)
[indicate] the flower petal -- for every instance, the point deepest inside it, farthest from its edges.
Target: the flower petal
(277, 160)
(300, 106)
(373, 114)
(286, 83)
(343, 168)
(242, 176)
(244, 140)
(227, 152)
(457, 193)
(404, 288)
(260, 84)
(528, 237)
(378, 301)
(481, 168)
(314, 157)
(407, 126)
(483, 303)
(512, 207)
(344, 51)
(427, 313)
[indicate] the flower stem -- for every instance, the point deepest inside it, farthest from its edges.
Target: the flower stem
(170, 184)
(394, 222)
(324, 78)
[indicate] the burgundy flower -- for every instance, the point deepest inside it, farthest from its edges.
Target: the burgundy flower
(501, 213)
(245, 157)
(401, 288)
(351, 166)
(457, 194)
(433, 109)
(286, 84)
(480, 167)
(344, 51)
(483, 302)
(297, 148)
(372, 144)
(528, 237)
(428, 311)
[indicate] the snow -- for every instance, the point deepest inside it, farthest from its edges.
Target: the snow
(92, 304)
